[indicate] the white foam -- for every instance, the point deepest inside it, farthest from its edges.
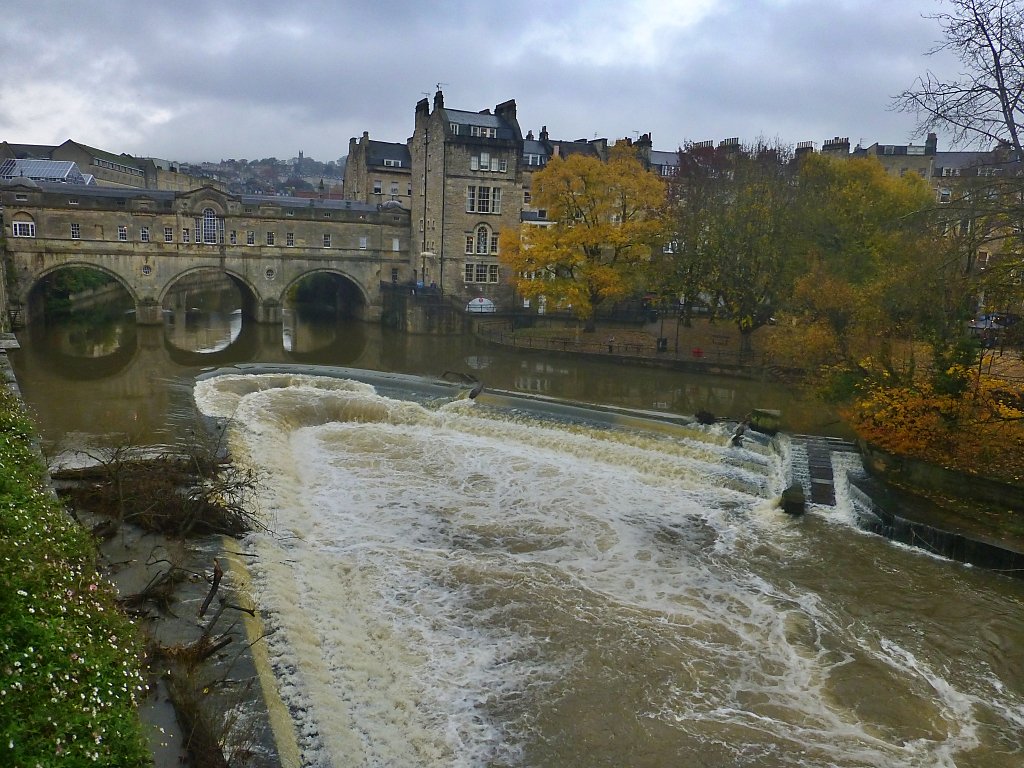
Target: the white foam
(441, 575)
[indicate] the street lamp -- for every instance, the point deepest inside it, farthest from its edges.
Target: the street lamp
(424, 255)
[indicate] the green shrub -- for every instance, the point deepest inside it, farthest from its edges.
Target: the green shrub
(69, 660)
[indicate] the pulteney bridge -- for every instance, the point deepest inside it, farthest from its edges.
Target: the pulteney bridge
(149, 240)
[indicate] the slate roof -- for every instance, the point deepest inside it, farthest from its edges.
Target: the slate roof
(532, 147)
(659, 157)
(379, 151)
(36, 151)
(962, 159)
(482, 119)
(121, 159)
(566, 148)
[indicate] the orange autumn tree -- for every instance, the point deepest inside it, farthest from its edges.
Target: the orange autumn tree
(605, 218)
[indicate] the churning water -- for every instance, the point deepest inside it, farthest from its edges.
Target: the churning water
(451, 583)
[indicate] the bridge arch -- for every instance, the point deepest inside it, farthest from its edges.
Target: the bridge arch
(251, 296)
(28, 287)
(351, 298)
(28, 295)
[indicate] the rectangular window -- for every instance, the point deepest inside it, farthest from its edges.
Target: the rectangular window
(484, 131)
(527, 197)
(394, 187)
(483, 199)
(168, 235)
(392, 163)
(122, 233)
(144, 234)
(24, 229)
(480, 273)
(363, 243)
(250, 237)
(378, 186)
(327, 239)
(494, 242)
(469, 243)
(396, 244)
(408, 189)
(185, 234)
(454, 128)
(289, 239)
(20, 197)
(233, 237)
(485, 161)
(76, 232)
(394, 274)
(270, 238)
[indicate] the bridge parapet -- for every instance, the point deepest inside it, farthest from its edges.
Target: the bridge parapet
(148, 240)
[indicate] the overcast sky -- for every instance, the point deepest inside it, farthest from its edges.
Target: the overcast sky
(217, 79)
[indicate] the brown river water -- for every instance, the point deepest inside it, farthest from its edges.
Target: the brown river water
(455, 582)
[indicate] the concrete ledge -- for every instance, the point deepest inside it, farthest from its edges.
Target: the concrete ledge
(879, 510)
(911, 472)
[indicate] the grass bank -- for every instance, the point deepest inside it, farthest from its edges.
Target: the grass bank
(70, 662)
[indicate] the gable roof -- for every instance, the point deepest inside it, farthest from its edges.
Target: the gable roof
(25, 151)
(122, 159)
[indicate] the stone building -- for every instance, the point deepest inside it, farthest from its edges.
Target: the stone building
(467, 188)
(150, 238)
(378, 172)
(107, 169)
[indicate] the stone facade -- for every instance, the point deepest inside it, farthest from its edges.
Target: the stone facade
(149, 239)
(378, 172)
(467, 189)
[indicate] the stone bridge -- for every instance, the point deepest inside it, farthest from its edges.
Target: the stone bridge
(150, 240)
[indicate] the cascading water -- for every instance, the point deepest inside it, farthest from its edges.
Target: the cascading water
(452, 583)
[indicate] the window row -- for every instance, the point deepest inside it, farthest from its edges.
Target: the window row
(483, 131)
(28, 229)
(378, 188)
(483, 199)
(484, 162)
(480, 273)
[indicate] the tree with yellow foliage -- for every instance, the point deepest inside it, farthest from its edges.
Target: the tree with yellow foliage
(605, 217)
(874, 263)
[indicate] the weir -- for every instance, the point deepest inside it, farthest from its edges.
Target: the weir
(499, 579)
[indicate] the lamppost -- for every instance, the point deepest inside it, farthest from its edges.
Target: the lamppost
(424, 255)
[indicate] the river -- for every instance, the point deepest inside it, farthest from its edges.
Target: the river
(454, 582)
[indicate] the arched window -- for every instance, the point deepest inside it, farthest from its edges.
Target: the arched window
(210, 226)
(486, 241)
(23, 226)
